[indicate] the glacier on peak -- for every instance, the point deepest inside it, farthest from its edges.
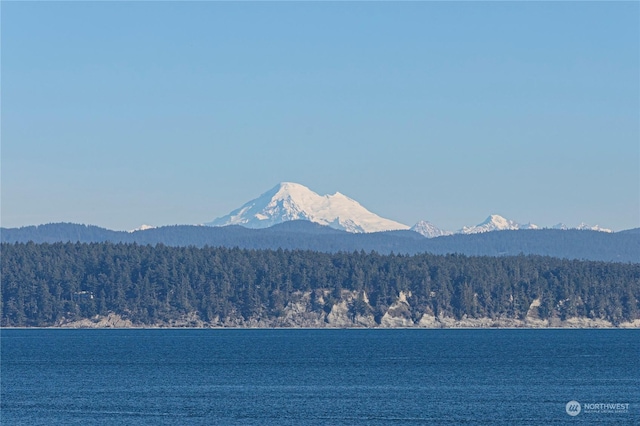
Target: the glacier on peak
(292, 201)
(289, 201)
(498, 223)
(495, 222)
(429, 230)
(584, 226)
(141, 228)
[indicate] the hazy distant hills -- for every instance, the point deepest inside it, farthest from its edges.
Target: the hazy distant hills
(621, 246)
(635, 231)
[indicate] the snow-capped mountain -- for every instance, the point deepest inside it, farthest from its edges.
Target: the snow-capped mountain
(292, 201)
(584, 226)
(495, 223)
(142, 228)
(498, 223)
(429, 230)
(289, 201)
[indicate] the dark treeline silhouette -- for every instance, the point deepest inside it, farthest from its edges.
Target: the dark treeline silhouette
(43, 283)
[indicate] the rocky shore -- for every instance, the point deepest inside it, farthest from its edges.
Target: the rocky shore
(298, 313)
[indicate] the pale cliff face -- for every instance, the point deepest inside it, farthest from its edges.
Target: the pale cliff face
(300, 313)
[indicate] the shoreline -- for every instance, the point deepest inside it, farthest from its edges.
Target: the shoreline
(630, 326)
(315, 328)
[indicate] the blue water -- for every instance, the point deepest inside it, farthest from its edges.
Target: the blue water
(316, 377)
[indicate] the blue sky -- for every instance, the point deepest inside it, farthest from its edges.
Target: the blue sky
(123, 113)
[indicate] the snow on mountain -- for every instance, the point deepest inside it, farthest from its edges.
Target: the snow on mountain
(584, 226)
(291, 201)
(499, 223)
(142, 228)
(529, 226)
(429, 230)
(495, 223)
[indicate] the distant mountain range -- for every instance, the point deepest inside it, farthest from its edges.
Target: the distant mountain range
(289, 201)
(621, 246)
(291, 216)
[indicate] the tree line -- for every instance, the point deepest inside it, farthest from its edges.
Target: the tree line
(304, 235)
(43, 283)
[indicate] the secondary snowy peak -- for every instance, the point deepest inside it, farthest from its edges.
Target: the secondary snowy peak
(498, 223)
(495, 223)
(142, 228)
(584, 226)
(292, 201)
(429, 230)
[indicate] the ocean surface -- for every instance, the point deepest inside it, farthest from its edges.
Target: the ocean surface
(319, 377)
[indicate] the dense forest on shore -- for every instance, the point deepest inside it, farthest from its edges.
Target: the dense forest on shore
(43, 283)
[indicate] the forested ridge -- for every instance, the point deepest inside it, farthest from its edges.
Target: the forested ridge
(304, 235)
(44, 283)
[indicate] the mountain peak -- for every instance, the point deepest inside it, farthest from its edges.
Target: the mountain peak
(584, 226)
(291, 186)
(284, 189)
(495, 222)
(292, 201)
(141, 228)
(428, 229)
(497, 219)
